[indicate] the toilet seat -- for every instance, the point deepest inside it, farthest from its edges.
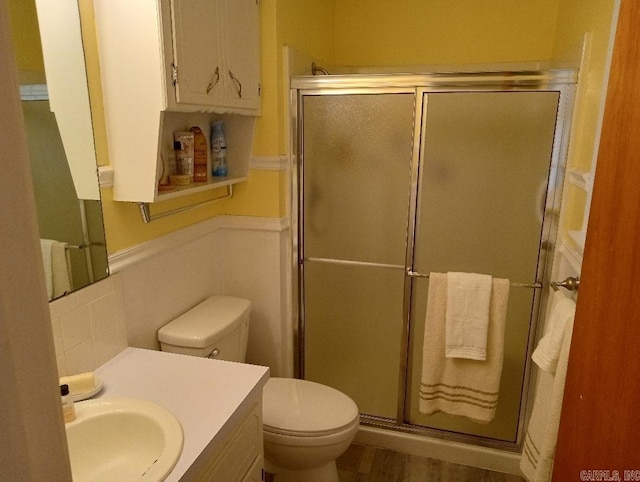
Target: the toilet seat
(301, 408)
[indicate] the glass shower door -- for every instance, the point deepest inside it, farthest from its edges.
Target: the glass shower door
(485, 167)
(356, 165)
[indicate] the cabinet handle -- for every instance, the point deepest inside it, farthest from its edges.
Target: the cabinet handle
(213, 82)
(237, 83)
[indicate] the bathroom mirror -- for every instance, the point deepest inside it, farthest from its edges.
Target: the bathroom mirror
(55, 98)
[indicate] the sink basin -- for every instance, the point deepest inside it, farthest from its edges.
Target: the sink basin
(123, 439)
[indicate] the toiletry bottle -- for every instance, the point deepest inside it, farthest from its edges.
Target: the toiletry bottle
(199, 155)
(183, 144)
(68, 410)
(218, 149)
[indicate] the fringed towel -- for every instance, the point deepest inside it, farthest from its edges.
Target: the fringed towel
(460, 386)
(539, 447)
(468, 298)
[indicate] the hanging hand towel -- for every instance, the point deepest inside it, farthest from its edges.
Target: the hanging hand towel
(461, 386)
(60, 269)
(45, 247)
(56, 267)
(468, 296)
(548, 350)
(536, 462)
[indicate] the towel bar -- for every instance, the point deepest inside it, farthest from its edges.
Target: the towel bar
(147, 217)
(570, 283)
(82, 246)
(414, 274)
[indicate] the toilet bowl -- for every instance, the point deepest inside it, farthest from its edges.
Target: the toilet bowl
(306, 425)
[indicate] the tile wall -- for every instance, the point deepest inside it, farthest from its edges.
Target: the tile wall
(89, 326)
(160, 279)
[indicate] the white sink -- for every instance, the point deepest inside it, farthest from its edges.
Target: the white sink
(123, 439)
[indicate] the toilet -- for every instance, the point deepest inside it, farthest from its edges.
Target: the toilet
(306, 425)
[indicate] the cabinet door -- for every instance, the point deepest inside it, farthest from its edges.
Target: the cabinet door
(197, 52)
(242, 54)
(216, 52)
(256, 472)
(241, 457)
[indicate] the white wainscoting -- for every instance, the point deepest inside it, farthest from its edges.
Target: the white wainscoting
(230, 255)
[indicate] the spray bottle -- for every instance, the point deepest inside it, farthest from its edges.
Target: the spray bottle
(218, 149)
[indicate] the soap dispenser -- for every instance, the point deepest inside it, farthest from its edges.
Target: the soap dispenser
(68, 409)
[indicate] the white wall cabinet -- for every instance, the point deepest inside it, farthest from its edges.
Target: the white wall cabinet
(226, 72)
(160, 62)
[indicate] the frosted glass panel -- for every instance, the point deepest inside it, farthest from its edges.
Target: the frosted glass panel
(353, 333)
(357, 158)
(486, 166)
(356, 176)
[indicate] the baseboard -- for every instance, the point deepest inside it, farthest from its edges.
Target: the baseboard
(441, 449)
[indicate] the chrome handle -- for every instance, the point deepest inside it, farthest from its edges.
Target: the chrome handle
(214, 353)
(212, 82)
(237, 83)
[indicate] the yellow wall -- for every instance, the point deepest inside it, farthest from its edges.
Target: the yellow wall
(25, 33)
(90, 44)
(260, 196)
(266, 137)
(410, 32)
(306, 26)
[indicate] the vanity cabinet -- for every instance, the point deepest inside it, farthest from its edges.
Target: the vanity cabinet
(166, 66)
(218, 404)
(241, 457)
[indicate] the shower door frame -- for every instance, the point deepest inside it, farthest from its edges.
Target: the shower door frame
(561, 81)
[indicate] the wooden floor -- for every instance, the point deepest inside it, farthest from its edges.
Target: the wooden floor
(363, 463)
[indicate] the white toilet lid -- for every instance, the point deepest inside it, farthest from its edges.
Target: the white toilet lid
(304, 407)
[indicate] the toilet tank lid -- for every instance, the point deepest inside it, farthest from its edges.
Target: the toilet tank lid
(206, 322)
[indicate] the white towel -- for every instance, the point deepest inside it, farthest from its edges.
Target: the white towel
(461, 386)
(56, 267)
(536, 462)
(548, 350)
(468, 296)
(45, 247)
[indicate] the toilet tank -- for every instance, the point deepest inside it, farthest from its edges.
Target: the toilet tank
(216, 328)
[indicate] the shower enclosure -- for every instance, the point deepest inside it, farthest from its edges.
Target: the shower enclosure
(398, 176)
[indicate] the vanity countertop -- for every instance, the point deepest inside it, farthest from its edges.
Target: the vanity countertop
(204, 394)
